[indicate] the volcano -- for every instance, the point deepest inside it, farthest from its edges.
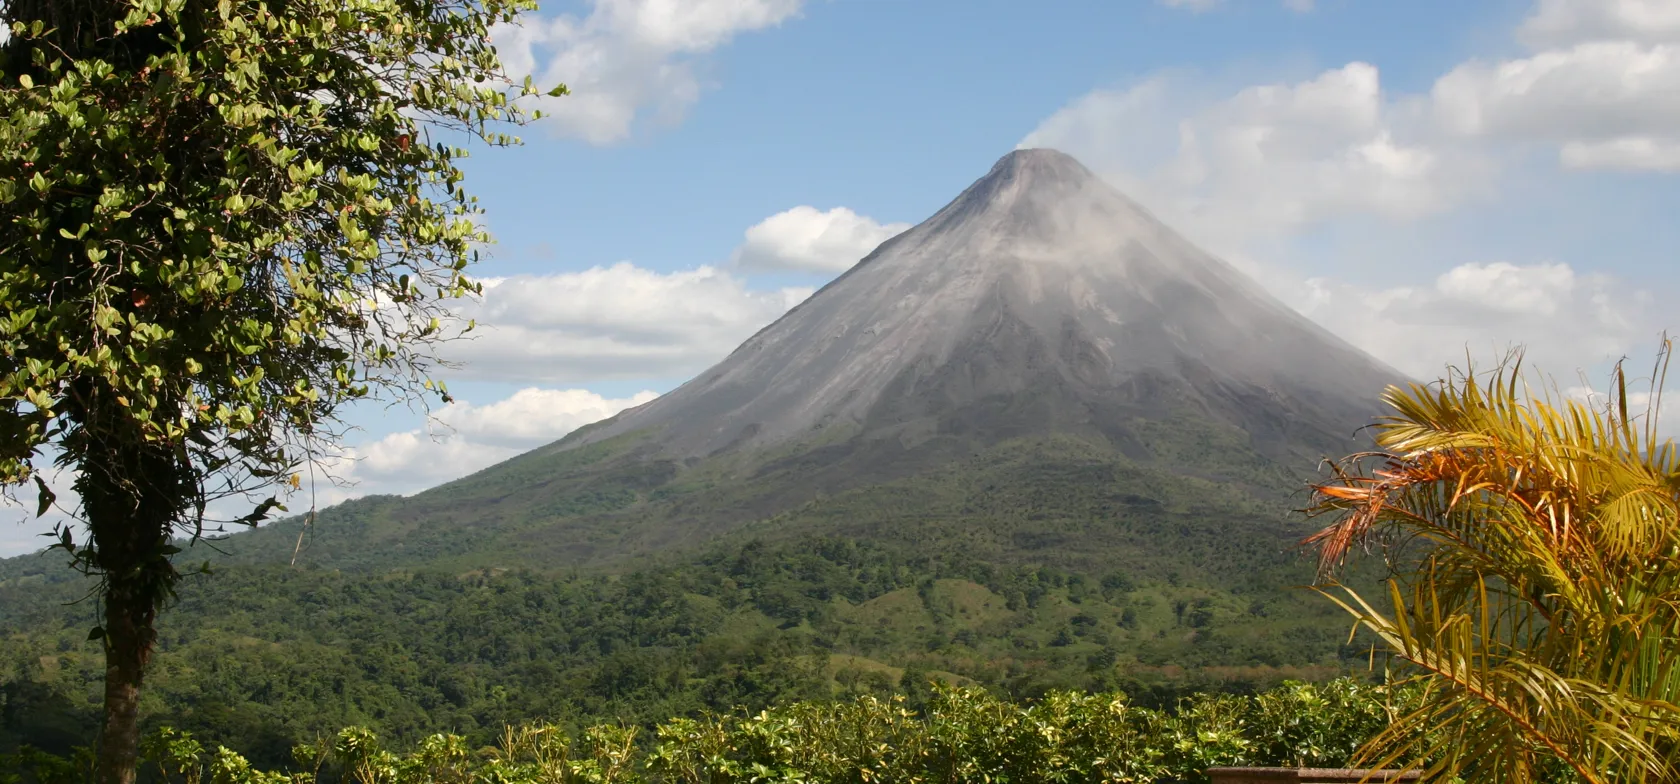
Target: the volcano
(1041, 300)
(1039, 441)
(1041, 371)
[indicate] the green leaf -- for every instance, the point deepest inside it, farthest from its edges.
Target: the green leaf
(261, 512)
(45, 497)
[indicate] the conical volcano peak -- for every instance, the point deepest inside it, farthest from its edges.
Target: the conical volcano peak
(1040, 300)
(1040, 202)
(1042, 164)
(1042, 176)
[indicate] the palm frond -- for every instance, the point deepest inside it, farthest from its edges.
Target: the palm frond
(1544, 612)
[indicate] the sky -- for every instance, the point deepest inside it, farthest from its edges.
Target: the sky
(1431, 180)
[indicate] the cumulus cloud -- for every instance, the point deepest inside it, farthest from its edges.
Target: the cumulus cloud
(806, 239)
(628, 59)
(462, 438)
(21, 531)
(1642, 403)
(1625, 153)
(619, 321)
(457, 440)
(402, 463)
(1566, 22)
(1596, 91)
(1601, 90)
(21, 538)
(1566, 320)
(1268, 159)
(1602, 86)
(531, 417)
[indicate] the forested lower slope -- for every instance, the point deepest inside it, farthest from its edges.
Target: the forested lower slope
(262, 657)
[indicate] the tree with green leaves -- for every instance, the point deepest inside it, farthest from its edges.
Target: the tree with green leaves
(1538, 597)
(963, 734)
(221, 221)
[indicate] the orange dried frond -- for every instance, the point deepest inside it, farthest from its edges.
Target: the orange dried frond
(1347, 492)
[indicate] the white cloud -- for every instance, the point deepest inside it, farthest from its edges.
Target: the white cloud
(20, 538)
(1593, 91)
(1501, 287)
(1602, 86)
(1627, 153)
(621, 321)
(402, 463)
(459, 439)
(809, 240)
(1566, 320)
(464, 438)
(1565, 22)
(1269, 159)
(21, 531)
(628, 58)
(1595, 392)
(532, 416)
(1602, 91)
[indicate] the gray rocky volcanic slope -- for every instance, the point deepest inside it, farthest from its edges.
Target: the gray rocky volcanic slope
(1040, 300)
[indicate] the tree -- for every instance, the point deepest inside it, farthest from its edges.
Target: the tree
(1538, 597)
(220, 222)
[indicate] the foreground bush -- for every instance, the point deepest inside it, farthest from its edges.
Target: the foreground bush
(965, 735)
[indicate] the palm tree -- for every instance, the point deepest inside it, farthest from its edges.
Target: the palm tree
(1535, 546)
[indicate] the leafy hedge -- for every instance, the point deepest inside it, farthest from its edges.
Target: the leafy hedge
(964, 735)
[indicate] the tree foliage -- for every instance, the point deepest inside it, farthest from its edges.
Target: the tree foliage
(260, 658)
(963, 735)
(225, 220)
(1544, 611)
(219, 223)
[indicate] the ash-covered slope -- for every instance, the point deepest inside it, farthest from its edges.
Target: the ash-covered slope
(1041, 300)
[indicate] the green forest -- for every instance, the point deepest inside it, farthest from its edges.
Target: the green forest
(261, 658)
(1031, 566)
(954, 734)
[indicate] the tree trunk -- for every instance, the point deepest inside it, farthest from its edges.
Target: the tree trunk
(128, 635)
(133, 495)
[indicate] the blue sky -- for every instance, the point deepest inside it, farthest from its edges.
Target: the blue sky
(892, 108)
(1423, 177)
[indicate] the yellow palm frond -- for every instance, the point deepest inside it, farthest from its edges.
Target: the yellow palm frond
(1543, 604)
